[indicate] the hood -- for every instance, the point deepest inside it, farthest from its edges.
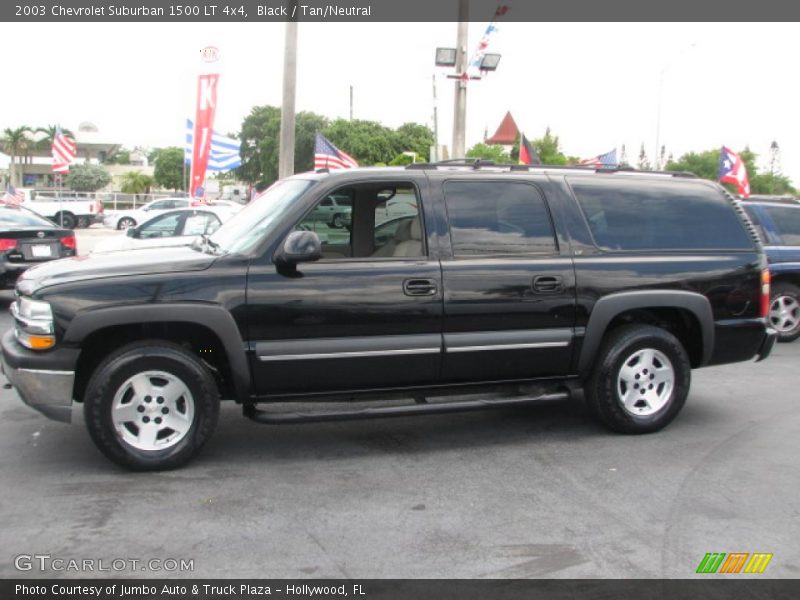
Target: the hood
(114, 264)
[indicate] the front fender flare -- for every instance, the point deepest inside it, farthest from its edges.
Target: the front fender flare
(213, 316)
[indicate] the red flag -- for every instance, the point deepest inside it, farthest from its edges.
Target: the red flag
(527, 153)
(203, 125)
(732, 170)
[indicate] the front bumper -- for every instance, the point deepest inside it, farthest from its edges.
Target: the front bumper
(770, 337)
(44, 380)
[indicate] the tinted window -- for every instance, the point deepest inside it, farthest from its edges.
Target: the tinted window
(15, 217)
(490, 217)
(751, 213)
(787, 222)
(200, 223)
(659, 215)
(165, 226)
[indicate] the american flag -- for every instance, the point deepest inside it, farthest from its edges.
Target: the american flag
(64, 152)
(328, 156)
(609, 159)
(13, 195)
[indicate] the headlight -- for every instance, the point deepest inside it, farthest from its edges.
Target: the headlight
(34, 323)
(35, 309)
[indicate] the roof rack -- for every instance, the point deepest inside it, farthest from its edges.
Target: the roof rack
(769, 198)
(479, 163)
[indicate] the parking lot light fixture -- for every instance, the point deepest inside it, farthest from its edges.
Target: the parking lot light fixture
(490, 62)
(446, 57)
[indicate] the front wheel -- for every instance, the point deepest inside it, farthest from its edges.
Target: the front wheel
(337, 222)
(640, 381)
(151, 406)
(784, 311)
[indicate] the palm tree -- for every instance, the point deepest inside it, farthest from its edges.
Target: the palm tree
(136, 182)
(15, 141)
(50, 135)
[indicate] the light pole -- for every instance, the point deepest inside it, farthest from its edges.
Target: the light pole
(656, 156)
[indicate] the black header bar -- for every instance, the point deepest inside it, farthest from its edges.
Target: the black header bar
(373, 11)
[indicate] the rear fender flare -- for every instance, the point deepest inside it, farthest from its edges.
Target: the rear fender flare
(608, 307)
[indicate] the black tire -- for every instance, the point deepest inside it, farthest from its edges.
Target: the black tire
(125, 223)
(784, 311)
(337, 222)
(66, 220)
(145, 359)
(604, 387)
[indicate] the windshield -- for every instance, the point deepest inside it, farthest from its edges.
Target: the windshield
(251, 224)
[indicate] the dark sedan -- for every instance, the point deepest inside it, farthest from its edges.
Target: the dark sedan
(27, 239)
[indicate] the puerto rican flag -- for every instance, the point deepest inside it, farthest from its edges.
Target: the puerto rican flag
(732, 170)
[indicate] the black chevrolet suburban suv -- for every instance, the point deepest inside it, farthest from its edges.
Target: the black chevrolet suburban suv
(536, 281)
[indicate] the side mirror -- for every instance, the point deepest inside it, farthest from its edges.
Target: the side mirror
(299, 247)
(131, 232)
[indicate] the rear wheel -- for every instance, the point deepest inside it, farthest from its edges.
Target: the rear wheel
(640, 381)
(66, 220)
(151, 406)
(337, 222)
(784, 311)
(126, 222)
(82, 222)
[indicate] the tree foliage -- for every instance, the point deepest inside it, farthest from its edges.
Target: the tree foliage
(136, 182)
(168, 171)
(706, 165)
(549, 149)
(260, 137)
(121, 157)
(368, 142)
(14, 143)
(87, 178)
(493, 152)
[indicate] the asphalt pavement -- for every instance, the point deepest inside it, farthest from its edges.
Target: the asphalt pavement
(539, 492)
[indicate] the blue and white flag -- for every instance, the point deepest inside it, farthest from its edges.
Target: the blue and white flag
(224, 150)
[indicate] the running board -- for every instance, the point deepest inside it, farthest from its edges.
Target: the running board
(278, 418)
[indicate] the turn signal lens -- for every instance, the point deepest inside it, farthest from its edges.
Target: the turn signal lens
(765, 293)
(35, 342)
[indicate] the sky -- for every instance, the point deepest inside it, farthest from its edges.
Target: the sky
(596, 85)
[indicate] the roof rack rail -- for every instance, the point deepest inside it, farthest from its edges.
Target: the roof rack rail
(478, 163)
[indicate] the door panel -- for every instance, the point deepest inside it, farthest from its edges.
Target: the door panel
(497, 326)
(344, 326)
(509, 299)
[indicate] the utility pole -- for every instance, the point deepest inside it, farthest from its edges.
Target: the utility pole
(351, 102)
(435, 156)
(460, 105)
(286, 146)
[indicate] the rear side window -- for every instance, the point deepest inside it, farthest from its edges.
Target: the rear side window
(659, 215)
(491, 217)
(787, 222)
(753, 216)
